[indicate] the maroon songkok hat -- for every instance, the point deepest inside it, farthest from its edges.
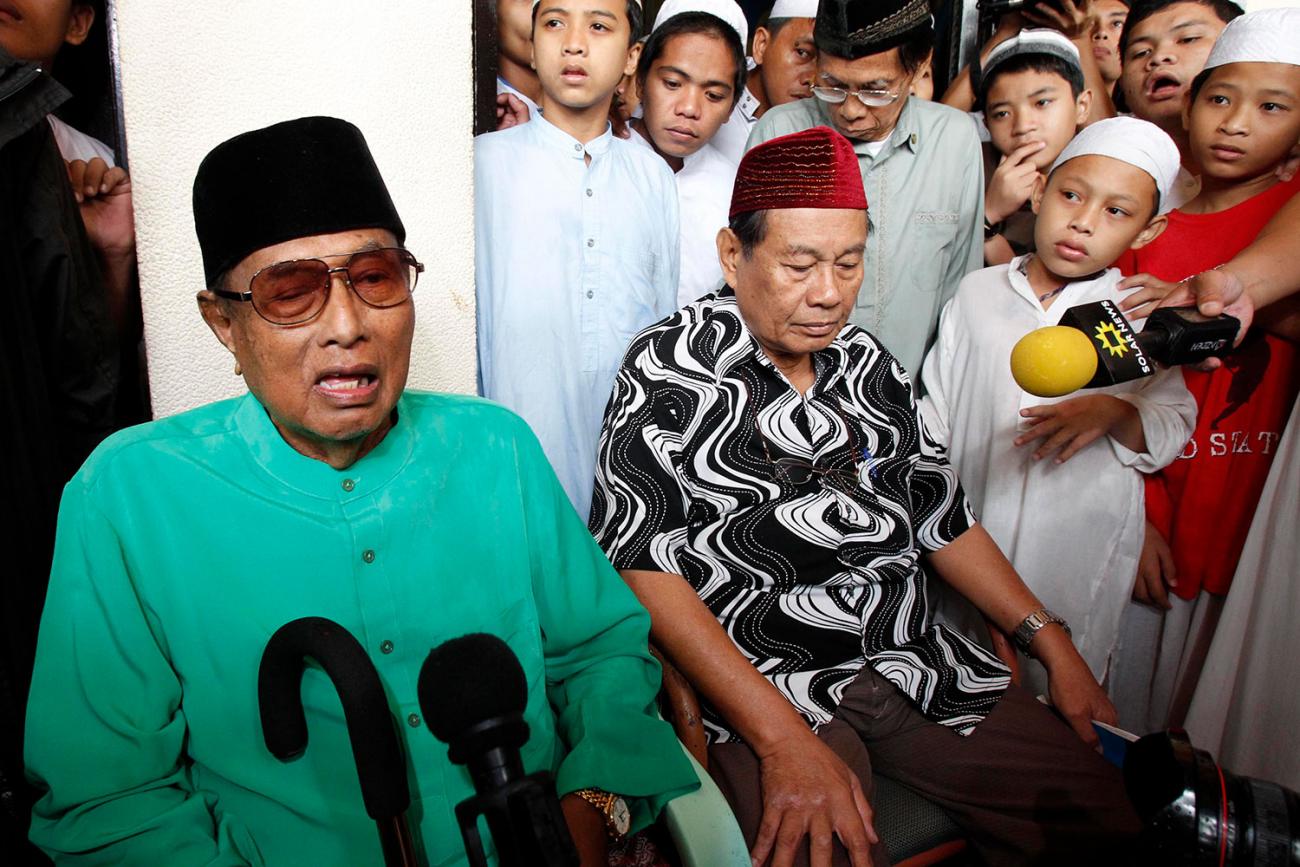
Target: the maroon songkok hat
(815, 168)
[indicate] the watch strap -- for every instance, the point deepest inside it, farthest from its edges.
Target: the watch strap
(1030, 626)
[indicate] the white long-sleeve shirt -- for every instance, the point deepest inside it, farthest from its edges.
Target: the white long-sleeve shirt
(704, 186)
(1074, 530)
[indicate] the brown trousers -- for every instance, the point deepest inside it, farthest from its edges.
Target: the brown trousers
(1022, 786)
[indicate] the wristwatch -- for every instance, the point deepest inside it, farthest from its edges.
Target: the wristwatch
(1029, 627)
(992, 230)
(618, 819)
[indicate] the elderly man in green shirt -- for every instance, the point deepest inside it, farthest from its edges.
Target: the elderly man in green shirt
(920, 165)
(328, 490)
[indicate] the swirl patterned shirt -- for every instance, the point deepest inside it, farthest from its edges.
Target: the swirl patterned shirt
(799, 519)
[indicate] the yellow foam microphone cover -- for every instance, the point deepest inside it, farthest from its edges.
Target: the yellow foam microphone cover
(1052, 361)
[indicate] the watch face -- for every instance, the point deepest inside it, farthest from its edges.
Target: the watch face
(620, 816)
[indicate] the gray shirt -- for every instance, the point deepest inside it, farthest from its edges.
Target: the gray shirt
(925, 196)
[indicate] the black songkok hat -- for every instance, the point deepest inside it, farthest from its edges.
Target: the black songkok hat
(304, 177)
(857, 28)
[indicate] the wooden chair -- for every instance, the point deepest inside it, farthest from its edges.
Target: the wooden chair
(916, 831)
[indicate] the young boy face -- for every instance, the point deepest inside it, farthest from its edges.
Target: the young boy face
(1245, 119)
(35, 30)
(688, 93)
(515, 30)
(1091, 210)
(1105, 39)
(1165, 52)
(1032, 106)
(581, 50)
(787, 61)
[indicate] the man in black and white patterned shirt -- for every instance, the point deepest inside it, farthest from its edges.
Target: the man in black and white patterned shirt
(766, 488)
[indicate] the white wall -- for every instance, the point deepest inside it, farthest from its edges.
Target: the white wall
(194, 74)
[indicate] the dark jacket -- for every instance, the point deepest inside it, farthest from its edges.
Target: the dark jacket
(59, 369)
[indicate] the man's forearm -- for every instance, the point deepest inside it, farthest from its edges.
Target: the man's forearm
(686, 632)
(974, 566)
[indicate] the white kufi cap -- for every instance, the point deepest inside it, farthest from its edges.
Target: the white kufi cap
(1139, 143)
(1266, 36)
(793, 9)
(727, 10)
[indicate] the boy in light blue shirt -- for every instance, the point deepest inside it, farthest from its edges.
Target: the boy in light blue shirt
(577, 239)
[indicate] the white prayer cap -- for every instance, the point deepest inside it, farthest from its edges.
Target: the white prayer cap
(1139, 143)
(793, 9)
(1266, 36)
(1038, 40)
(727, 10)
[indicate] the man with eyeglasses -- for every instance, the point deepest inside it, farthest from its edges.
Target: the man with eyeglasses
(766, 488)
(920, 164)
(327, 490)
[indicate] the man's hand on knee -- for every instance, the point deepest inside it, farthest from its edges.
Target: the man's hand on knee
(809, 792)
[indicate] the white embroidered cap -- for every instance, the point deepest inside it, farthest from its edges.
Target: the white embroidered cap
(727, 10)
(1137, 142)
(793, 9)
(1266, 36)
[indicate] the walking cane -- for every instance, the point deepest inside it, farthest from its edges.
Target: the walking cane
(381, 767)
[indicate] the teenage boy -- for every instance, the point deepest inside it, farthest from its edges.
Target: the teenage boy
(920, 164)
(518, 88)
(1163, 47)
(1109, 16)
(576, 238)
(1243, 122)
(689, 76)
(1057, 482)
(1034, 101)
(781, 69)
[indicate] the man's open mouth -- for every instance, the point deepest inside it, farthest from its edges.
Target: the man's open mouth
(1163, 87)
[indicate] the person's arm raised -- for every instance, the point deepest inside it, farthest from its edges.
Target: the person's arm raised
(807, 790)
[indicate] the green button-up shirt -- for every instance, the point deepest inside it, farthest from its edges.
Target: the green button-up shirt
(185, 543)
(925, 197)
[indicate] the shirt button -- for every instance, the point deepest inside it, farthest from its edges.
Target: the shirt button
(577, 147)
(348, 485)
(368, 555)
(385, 646)
(591, 294)
(589, 192)
(591, 242)
(413, 720)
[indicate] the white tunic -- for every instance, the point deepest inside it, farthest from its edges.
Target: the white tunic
(703, 199)
(1246, 709)
(1074, 530)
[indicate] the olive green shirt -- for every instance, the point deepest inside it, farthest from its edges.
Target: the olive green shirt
(185, 543)
(925, 198)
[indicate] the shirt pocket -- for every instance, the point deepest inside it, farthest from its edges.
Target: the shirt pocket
(935, 237)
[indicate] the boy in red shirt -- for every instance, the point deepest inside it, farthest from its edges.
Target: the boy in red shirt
(1243, 122)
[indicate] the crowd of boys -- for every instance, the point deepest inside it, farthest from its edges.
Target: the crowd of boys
(1097, 151)
(780, 418)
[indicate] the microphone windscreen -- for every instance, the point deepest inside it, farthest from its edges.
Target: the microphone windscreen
(468, 680)
(1052, 361)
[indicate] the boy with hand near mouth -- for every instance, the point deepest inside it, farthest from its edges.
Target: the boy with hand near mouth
(1243, 122)
(690, 75)
(1163, 47)
(576, 234)
(1034, 100)
(1058, 482)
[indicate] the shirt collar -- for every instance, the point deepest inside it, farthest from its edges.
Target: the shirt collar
(552, 135)
(316, 478)
(1018, 276)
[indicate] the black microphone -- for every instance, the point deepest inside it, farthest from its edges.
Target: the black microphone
(381, 768)
(1047, 366)
(473, 693)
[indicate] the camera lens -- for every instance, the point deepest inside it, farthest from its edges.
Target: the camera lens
(1196, 813)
